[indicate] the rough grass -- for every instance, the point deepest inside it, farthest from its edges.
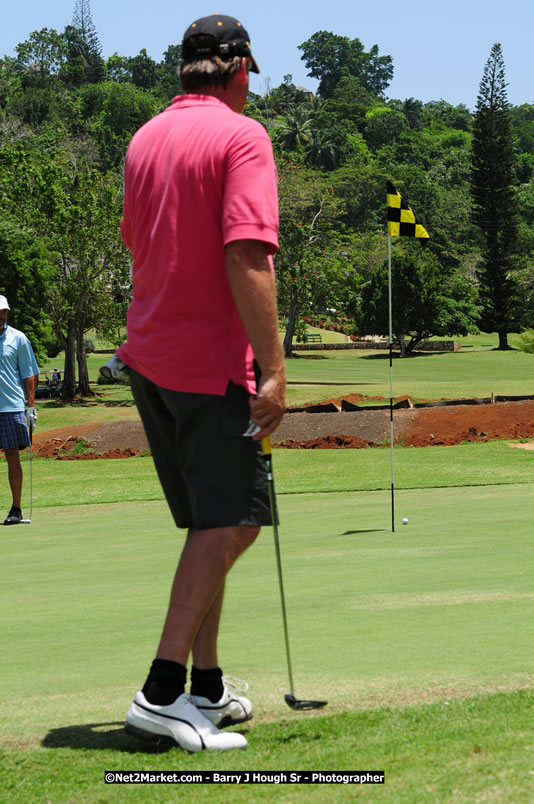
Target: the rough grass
(469, 750)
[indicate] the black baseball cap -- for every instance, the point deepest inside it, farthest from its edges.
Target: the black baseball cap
(229, 39)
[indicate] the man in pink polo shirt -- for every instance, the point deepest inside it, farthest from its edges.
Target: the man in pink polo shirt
(201, 221)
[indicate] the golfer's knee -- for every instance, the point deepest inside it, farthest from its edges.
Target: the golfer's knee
(242, 537)
(251, 534)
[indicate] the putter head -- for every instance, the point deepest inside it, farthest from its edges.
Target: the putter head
(300, 706)
(25, 521)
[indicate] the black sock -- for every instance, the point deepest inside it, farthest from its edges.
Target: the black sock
(207, 683)
(165, 682)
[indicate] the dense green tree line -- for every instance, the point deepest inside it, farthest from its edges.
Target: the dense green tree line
(67, 115)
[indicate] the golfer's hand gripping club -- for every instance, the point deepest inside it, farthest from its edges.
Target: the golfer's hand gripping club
(31, 418)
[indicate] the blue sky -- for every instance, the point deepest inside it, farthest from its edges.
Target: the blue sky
(438, 48)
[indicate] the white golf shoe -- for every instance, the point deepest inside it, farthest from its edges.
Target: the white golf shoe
(230, 709)
(182, 722)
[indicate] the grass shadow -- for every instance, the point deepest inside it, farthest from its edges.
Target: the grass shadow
(107, 737)
(91, 403)
(103, 737)
(356, 532)
(120, 403)
(302, 738)
(307, 357)
(412, 355)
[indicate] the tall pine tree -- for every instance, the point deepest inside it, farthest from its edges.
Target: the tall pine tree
(82, 20)
(492, 190)
(84, 48)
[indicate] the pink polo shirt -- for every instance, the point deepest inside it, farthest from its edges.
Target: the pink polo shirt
(197, 176)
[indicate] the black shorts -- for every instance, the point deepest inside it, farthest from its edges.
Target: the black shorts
(213, 476)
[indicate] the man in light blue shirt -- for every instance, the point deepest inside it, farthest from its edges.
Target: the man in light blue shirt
(18, 371)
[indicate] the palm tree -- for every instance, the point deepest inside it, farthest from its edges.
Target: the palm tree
(296, 131)
(323, 151)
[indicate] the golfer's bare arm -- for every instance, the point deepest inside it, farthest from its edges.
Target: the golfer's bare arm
(253, 290)
(29, 390)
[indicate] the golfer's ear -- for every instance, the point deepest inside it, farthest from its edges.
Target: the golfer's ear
(242, 73)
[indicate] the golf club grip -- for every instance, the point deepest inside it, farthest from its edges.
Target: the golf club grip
(266, 445)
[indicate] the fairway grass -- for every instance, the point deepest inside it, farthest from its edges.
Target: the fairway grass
(64, 483)
(110, 403)
(476, 371)
(406, 634)
(458, 375)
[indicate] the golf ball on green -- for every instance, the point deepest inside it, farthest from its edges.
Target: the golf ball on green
(404, 520)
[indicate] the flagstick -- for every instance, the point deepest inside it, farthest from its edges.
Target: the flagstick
(402, 222)
(391, 387)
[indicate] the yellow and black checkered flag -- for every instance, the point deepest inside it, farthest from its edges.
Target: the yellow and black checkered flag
(401, 220)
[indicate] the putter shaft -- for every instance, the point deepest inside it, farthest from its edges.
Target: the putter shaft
(291, 701)
(267, 455)
(29, 520)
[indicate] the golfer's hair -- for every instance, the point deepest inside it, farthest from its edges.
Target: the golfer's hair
(196, 75)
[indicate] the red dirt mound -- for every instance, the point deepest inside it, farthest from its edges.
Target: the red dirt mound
(445, 426)
(61, 449)
(418, 427)
(328, 442)
(109, 441)
(111, 454)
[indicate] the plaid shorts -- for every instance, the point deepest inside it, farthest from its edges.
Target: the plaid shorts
(13, 431)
